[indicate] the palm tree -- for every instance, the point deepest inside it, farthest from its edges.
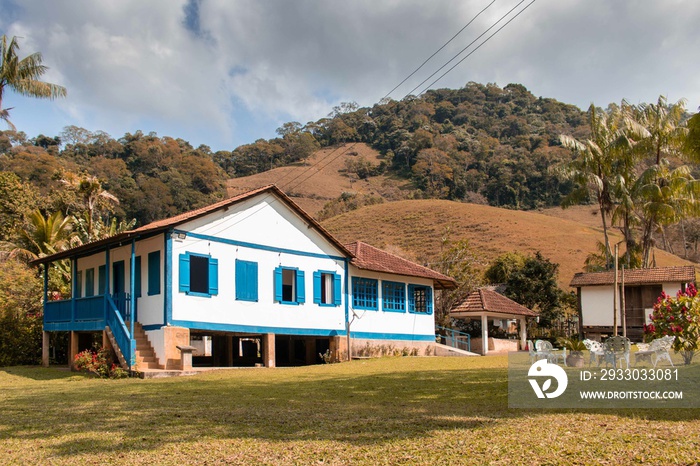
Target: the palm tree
(94, 196)
(22, 76)
(597, 164)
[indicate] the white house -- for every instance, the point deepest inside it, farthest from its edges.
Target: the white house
(642, 287)
(249, 280)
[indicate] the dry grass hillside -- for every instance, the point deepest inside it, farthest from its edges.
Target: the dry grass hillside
(323, 178)
(417, 226)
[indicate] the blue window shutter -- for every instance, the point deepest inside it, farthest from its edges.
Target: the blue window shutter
(252, 281)
(101, 279)
(153, 273)
(184, 273)
(337, 290)
(246, 280)
(278, 284)
(301, 291)
(78, 284)
(137, 277)
(90, 282)
(411, 299)
(213, 276)
(317, 287)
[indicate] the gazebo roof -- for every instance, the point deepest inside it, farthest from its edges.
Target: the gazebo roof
(486, 301)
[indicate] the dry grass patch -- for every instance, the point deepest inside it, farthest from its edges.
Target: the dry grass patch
(385, 411)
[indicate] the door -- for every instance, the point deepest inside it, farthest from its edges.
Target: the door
(118, 290)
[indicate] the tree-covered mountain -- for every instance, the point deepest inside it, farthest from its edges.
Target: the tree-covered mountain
(481, 143)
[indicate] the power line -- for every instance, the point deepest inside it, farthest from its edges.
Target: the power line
(437, 51)
(465, 48)
(423, 82)
(479, 46)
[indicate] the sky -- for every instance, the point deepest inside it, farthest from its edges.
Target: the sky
(227, 72)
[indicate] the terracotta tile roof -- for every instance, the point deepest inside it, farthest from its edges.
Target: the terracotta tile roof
(486, 300)
(679, 274)
(370, 258)
(162, 225)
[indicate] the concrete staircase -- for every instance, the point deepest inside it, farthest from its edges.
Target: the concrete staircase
(145, 356)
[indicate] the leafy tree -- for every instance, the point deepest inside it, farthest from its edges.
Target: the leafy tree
(17, 199)
(22, 76)
(534, 285)
(593, 169)
(460, 262)
(503, 267)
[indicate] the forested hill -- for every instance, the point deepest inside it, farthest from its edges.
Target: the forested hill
(480, 143)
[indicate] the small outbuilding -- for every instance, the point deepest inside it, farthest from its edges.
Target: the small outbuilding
(640, 289)
(485, 304)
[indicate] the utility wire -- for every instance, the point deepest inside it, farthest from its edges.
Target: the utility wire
(462, 51)
(437, 51)
(479, 46)
(423, 82)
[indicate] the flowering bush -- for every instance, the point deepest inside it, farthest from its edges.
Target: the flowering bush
(99, 363)
(677, 316)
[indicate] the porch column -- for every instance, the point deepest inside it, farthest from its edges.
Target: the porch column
(269, 350)
(45, 349)
(523, 332)
(72, 348)
(484, 334)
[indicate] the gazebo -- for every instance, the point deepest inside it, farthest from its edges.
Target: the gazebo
(486, 304)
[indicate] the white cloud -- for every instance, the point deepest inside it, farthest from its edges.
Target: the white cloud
(204, 70)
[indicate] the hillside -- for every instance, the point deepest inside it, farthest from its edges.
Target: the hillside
(417, 226)
(323, 178)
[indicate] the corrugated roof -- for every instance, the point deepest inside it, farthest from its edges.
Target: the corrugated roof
(486, 300)
(370, 258)
(650, 276)
(162, 225)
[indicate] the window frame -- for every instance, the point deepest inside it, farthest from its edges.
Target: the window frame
(90, 282)
(364, 285)
(394, 304)
(412, 288)
(212, 272)
(153, 259)
(336, 290)
(299, 286)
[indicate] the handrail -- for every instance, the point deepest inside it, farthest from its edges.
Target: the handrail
(125, 341)
(455, 339)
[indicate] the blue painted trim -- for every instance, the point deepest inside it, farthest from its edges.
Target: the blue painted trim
(393, 336)
(260, 247)
(347, 294)
(167, 276)
(46, 286)
(132, 291)
(82, 326)
(254, 329)
(74, 275)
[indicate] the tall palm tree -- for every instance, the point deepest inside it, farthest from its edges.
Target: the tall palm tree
(597, 163)
(22, 76)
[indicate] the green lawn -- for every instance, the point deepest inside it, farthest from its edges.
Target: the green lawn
(382, 411)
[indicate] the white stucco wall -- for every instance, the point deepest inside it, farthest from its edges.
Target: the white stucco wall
(266, 223)
(393, 323)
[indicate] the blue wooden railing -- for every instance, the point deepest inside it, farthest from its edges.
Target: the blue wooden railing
(58, 311)
(121, 333)
(91, 308)
(454, 338)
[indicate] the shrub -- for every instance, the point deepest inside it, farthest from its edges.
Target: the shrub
(100, 363)
(677, 316)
